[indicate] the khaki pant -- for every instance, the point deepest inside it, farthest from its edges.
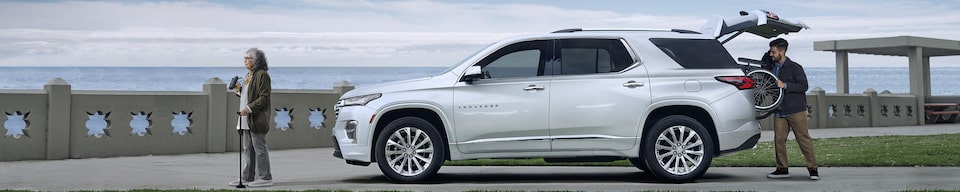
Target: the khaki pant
(781, 128)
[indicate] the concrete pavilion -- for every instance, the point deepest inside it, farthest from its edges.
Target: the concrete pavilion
(917, 49)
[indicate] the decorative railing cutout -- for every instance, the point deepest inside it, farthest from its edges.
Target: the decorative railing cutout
(98, 124)
(883, 111)
(896, 110)
(283, 118)
(861, 111)
(832, 111)
(181, 123)
(847, 111)
(909, 110)
(17, 124)
(317, 116)
(141, 123)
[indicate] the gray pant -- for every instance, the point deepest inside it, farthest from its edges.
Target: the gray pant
(258, 143)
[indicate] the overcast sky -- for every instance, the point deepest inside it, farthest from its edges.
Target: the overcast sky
(414, 33)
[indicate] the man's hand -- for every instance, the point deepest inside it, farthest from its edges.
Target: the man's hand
(244, 112)
(781, 84)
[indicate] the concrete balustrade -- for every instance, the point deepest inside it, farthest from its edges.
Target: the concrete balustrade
(62, 123)
(868, 109)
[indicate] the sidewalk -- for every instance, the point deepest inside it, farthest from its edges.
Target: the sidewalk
(303, 169)
(929, 129)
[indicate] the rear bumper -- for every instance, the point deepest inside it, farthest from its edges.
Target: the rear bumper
(742, 138)
(749, 144)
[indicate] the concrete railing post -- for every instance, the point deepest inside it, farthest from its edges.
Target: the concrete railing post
(58, 119)
(342, 87)
(874, 107)
(216, 92)
(822, 111)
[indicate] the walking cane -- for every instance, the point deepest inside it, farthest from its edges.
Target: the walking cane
(240, 131)
(232, 85)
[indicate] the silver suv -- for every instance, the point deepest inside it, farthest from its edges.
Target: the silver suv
(669, 101)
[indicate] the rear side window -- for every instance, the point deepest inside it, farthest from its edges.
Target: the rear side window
(696, 53)
(587, 56)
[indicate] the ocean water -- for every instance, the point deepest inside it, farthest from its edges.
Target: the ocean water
(944, 81)
(192, 78)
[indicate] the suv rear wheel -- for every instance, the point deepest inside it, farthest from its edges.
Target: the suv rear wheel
(409, 149)
(678, 149)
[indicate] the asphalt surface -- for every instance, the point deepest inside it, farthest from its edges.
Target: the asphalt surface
(304, 169)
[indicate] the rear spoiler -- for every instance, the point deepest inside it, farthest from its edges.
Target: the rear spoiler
(759, 22)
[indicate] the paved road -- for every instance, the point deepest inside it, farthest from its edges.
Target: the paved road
(303, 169)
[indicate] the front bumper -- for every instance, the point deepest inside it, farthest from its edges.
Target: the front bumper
(357, 147)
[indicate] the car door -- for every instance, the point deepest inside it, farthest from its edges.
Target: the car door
(506, 110)
(595, 103)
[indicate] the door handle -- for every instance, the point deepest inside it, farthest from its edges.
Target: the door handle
(533, 88)
(633, 84)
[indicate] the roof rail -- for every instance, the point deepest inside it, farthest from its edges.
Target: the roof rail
(568, 30)
(684, 31)
(572, 30)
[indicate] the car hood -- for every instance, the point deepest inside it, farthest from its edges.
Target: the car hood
(388, 87)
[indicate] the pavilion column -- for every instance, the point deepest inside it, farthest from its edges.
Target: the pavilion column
(919, 79)
(926, 77)
(843, 72)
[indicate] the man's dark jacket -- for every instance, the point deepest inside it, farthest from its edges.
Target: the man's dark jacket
(794, 96)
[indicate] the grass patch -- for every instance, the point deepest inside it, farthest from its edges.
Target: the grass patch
(880, 151)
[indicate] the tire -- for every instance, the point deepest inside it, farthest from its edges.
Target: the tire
(660, 149)
(763, 114)
(640, 164)
(409, 149)
(768, 95)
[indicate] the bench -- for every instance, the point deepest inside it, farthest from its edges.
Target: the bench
(941, 112)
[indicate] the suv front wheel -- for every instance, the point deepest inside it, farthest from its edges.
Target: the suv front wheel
(409, 149)
(678, 149)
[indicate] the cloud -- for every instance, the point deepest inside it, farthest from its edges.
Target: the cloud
(381, 33)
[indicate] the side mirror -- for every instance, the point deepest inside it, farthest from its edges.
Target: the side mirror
(472, 74)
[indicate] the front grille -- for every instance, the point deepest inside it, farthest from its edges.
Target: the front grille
(336, 108)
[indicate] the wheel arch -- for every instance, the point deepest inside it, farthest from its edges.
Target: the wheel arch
(425, 113)
(696, 112)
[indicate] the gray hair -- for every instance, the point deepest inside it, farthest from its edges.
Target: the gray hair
(259, 58)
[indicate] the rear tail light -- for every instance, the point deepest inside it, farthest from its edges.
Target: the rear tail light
(741, 82)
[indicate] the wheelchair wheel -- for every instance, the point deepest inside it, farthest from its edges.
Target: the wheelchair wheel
(768, 95)
(764, 114)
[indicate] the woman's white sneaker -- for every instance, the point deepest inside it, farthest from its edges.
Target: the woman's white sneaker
(261, 183)
(237, 182)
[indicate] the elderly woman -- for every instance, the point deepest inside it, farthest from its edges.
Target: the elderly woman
(254, 95)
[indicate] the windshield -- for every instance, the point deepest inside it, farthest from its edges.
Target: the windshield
(455, 65)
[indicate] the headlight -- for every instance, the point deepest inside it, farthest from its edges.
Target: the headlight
(360, 100)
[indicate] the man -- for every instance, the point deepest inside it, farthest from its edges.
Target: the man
(792, 112)
(254, 120)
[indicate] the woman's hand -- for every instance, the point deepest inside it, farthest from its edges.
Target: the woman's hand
(244, 111)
